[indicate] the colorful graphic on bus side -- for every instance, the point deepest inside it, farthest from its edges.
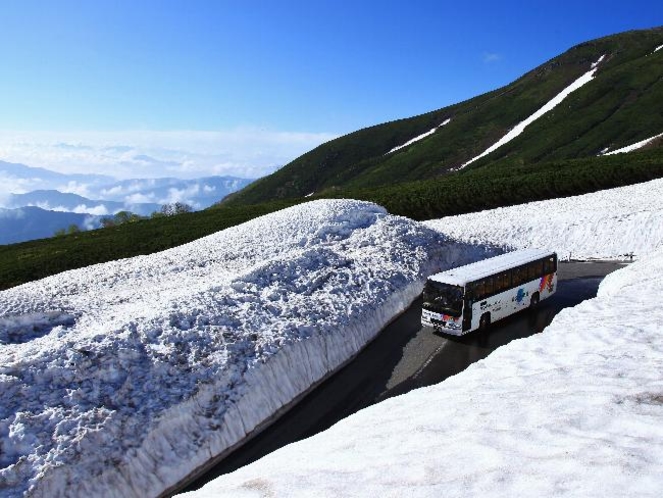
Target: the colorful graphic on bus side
(547, 282)
(520, 297)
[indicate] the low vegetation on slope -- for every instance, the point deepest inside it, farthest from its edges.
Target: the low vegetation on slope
(471, 190)
(20, 263)
(621, 105)
(488, 188)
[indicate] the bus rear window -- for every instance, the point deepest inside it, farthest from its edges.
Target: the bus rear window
(443, 298)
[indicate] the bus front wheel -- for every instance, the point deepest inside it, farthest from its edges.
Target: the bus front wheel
(484, 323)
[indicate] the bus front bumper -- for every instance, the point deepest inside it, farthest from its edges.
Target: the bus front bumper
(444, 323)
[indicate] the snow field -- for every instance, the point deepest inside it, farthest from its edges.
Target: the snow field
(609, 224)
(575, 410)
(121, 378)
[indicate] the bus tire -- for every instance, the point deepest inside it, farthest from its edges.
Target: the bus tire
(484, 322)
(534, 302)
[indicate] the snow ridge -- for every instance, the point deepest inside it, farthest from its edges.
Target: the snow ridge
(520, 127)
(615, 223)
(145, 368)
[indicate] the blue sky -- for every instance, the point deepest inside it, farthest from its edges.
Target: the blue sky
(293, 71)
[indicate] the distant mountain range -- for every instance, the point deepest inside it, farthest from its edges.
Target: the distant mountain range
(57, 197)
(27, 223)
(54, 200)
(30, 178)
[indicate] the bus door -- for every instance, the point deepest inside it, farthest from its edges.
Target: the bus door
(467, 311)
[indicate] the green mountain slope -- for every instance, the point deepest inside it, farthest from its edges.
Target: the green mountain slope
(621, 105)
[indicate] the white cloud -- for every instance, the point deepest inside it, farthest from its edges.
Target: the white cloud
(14, 214)
(139, 198)
(11, 185)
(489, 57)
(91, 223)
(244, 152)
(99, 210)
(182, 195)
(115, 191)
(77, 188)
(5, 192)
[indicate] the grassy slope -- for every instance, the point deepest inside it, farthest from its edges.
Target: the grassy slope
(617, 108)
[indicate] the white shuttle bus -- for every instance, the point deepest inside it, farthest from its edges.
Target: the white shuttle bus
(470, 297)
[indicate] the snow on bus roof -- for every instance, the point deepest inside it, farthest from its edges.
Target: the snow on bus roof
(474, 271)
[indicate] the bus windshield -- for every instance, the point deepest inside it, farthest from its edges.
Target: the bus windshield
(443, 298)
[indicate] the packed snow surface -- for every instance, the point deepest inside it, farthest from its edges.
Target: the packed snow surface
(520, 127)
(420, 137)
(635, 146)
(615, 223)
(574, 411)
(121, 378)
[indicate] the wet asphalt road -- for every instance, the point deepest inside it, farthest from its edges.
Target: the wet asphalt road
(405, 357)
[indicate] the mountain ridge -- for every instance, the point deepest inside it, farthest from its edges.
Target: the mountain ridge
(23, 185)
(615, 109)
(32, 223)
(54, 200)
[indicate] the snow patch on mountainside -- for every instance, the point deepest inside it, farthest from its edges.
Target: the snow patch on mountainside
(520, 127)
(606, 224)
(122, 378)
(635, 146)
(420, 137)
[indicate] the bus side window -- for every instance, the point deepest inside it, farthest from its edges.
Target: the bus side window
(548, 266)
(519, 276)
(503, 281)
(538, 268)
(480, 290)
(489, 285)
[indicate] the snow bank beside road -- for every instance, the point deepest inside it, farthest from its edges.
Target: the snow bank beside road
(576, 410)
(608, 224)
(121, 378)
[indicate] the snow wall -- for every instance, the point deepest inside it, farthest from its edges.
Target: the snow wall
(120, 379)
(574, 411)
